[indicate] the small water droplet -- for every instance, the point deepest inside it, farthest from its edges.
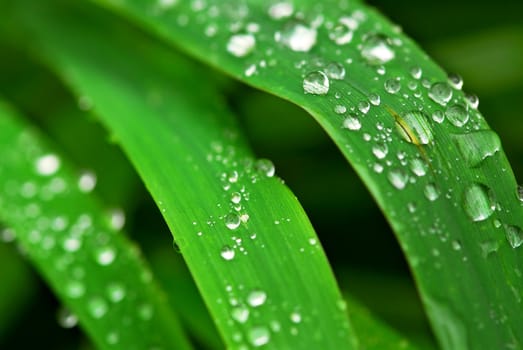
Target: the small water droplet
(227, 253)
(241, 45)
(297, 36)
(455, 80)
(97, 307)
(75, 289)
(72, 244)
(380, 150)
(342, 33)
(265, 167)
(431, 192)
(117, 219)
(392, 86)
(398, 178)
(240, 314)
(236, 197)
(418, 166)
(488, 247)
(256, 298)
(440, 93)
(519, 193)
(316, 83)
(472, 100)
(414, 128)
(339, 109)
(66, 318)
(416, 72)
(116, 292)
(232, 221)
(364, 107)
(335, 70)
(296, 317)
(377, 49)
(514, 235)
(477, 146)
(87, 181)
(375, 99)
(457, 114)
(438, 116)
(477, 202)
(259, 336)
(456, 245)
(47, 165)
(105, 256)
(281, 10)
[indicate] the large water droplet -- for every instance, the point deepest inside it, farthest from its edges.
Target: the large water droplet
(414, 128)
(478, 202)
(281, 10)
(241, 45)
(377, 49)
(392, 86)
(455, 80)
(380, 150)
(316, 83)
(440, 93)
(297, 36)
(431, 192)
(259, 336)
(232, 221)
(457, 114)
(398, 178)
(477, 146)
(352, 122)
(514, 235)
(227, 253)
(265, 167)
(47, 165)
(418, 166)
(256, 298)
(342, 33)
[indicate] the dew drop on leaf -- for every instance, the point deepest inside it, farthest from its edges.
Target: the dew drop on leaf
(316, 83)
(87, 181)
(240, 314)
(477, 146)
(297, 36)
(265, 167)
(97, 307)
(232, 221)
(438, 116)
(281, 10)
(392, 86)
(431, 192)
(514, 235)
(335, 70)
(398, 178)
(488, 247)
(418, 166)
(66, 318)
(455, 80)
(47, 165)
(105, 256)
(472, 100)
(241, 45)
(295, 317)
(256, 298)
(380, 150)
(351, 122)
(416, 72)
(227, 253)
(377, 49)
(440, 93)
(259, 336)
(74, 289)
(116, 292)
(477, 202)
(457, 114)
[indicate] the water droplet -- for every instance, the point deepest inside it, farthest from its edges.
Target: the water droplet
(241, 45)
(116, 292)
(341, 34)
(375, 99)
(227, 253)
(259, 336)
(456, 245)
(431, 192)
(455, 80)
(105, 256)
(519, 193)
(364, 107)
(418, 166)
(256, 298)
(488, 247)
(97, 307)
(236, 197)
(477, 202)
(232, 221)
(376, 49)
(7, 235)
(352, 122)
(75, 289)
(240, 314)
(281, 10)
(47, 165)
(66, 318)
(514, 235)
(72, 244)
(316, 83)
(339, 109)
(416, 72)
(297, 36)
(414, 128)
(457, 114)
(380, 150)
(296, 317)
(117, 219)
(335, 70)
(440, 93)
(265, 167)
(438, 117)
(477, 146)
(87, 181)
(392, 86)
(398, 178)
(472, 100)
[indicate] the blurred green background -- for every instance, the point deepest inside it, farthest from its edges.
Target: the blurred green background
(481, 41)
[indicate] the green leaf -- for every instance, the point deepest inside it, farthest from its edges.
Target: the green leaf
(396, 116)
(93, 268)
(246, 240)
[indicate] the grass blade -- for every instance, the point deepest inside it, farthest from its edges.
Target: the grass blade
(65, 233)
(260, 269)
(427, 155)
